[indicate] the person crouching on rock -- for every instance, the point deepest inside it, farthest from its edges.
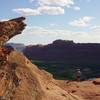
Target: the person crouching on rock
(78, 75)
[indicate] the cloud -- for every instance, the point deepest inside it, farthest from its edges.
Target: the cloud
(51, 10)
(50, 7)
(38, 35)
(95, 29)
(81, 22)
(56, 2)
(27, 11)
(40, 10)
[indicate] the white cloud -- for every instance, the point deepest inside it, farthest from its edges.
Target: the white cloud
(50, 7)
(56, 2)
(81, 22)
(27, 11)
(40, 10)
(51, 10)
(38, 35)
(95, 29)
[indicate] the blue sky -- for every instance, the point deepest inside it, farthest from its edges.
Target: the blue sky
(48, 20)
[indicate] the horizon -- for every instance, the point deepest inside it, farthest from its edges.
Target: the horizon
(48, 20)
(52, 42)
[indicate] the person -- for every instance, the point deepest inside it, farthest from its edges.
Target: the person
(78, 75)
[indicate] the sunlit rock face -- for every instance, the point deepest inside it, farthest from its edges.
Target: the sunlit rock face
(10, 28)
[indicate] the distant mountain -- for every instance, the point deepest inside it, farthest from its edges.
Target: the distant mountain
(67, 51)
(17, 46)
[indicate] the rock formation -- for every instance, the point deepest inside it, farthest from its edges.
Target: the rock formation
(10, 28)
(19, 78)
(89, 90)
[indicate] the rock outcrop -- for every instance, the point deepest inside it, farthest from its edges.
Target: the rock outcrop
(88, 90)
(10, 28)
(19, 78)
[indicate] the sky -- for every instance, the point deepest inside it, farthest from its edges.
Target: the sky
(48, 20)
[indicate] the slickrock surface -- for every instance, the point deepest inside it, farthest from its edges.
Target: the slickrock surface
(89, 90)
